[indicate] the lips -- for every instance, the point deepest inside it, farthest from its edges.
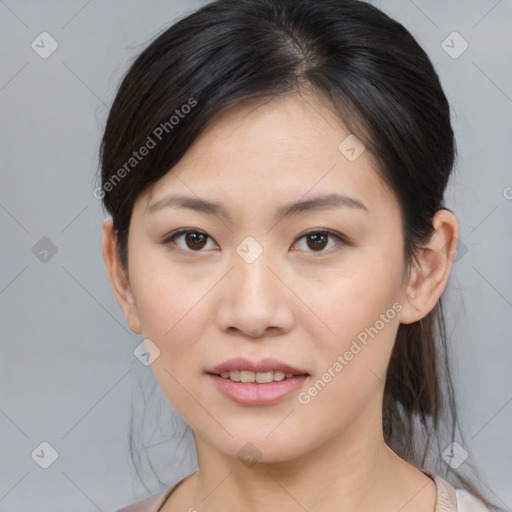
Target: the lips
(264, 365)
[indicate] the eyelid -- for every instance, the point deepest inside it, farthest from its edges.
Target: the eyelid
(344, 238)
(342, 241)
(168, 239)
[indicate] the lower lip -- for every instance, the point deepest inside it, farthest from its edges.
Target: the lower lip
(247, 393)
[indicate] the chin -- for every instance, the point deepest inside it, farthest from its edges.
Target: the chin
(260, 448)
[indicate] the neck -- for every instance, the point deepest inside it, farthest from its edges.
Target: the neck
(354, 470)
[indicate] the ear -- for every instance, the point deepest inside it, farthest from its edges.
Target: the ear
(118, 278)
(429, 275)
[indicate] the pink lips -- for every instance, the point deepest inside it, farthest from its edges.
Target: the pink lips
(248, 393)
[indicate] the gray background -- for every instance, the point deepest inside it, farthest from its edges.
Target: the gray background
(68, 370)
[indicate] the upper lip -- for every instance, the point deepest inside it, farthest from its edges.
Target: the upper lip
(264, 365)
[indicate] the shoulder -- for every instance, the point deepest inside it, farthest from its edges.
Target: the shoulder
(150, 503)
(466, 502)
(451, 499)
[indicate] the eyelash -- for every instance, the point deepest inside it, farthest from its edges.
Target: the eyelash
(341, 240)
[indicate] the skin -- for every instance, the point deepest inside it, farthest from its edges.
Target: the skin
(296, 303)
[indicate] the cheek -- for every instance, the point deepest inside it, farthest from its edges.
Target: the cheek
(171, 307)
(173, 317)
(351, 365)
(362, 313)
(354, 298)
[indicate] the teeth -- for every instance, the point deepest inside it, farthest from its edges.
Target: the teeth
(259, 377)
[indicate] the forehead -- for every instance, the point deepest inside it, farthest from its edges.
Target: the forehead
(283, 147)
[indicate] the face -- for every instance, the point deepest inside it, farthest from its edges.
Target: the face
(317, 287)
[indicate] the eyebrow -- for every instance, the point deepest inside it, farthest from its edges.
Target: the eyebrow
(323, 202)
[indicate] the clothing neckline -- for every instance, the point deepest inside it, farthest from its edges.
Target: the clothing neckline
(446, 498)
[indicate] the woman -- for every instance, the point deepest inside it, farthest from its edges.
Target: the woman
(275, 172)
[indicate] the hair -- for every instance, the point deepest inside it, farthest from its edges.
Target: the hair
(384, 88)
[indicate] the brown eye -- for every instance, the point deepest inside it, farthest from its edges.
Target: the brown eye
(194, 241)
(317, 241)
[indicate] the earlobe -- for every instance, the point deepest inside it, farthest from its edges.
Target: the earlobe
(430, 273)
(118, 279)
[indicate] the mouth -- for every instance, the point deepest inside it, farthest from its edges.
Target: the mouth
(252, 393)
(250, 377)
(240, 369)
(257, 383)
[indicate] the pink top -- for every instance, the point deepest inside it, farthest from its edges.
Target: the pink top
(448, 499)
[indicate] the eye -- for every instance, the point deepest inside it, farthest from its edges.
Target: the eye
(194, 240)
(318, 240)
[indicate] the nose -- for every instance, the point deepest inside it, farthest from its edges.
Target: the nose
(254, 300)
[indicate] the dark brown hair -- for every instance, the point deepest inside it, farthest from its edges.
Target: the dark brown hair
(385, 90)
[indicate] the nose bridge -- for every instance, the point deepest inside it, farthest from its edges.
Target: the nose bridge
(250, 250)
(253, 300)
(251, 273)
